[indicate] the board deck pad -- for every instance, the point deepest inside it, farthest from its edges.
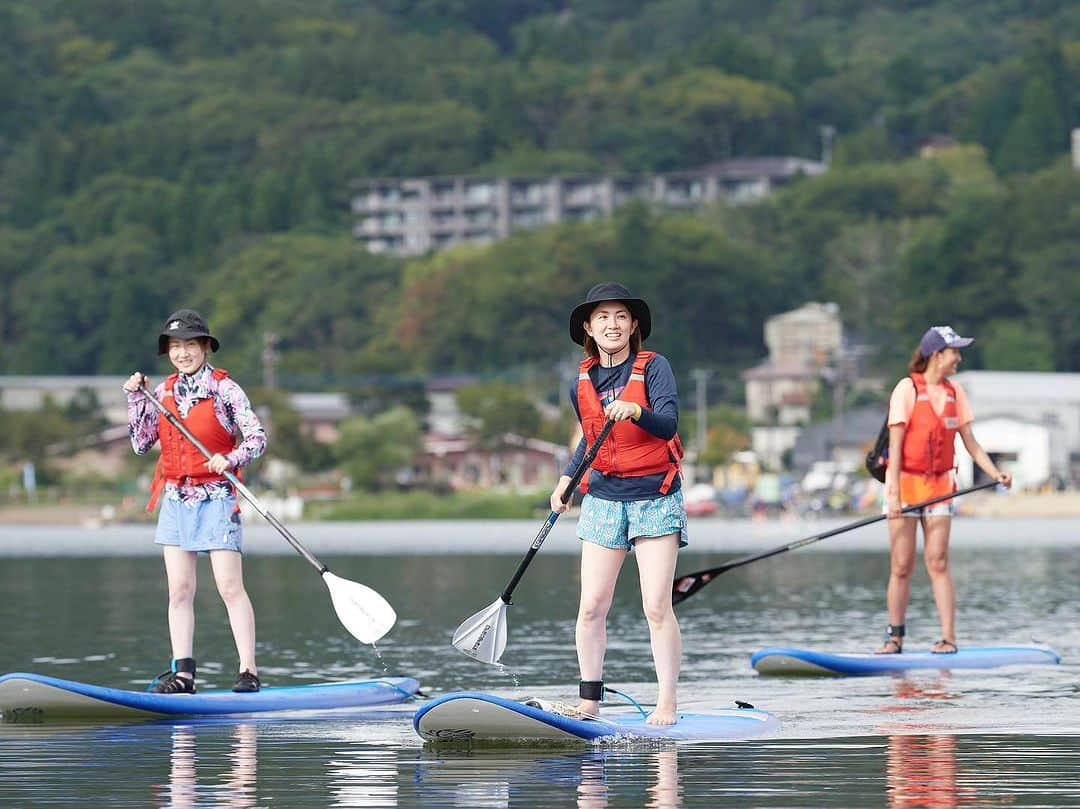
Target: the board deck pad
(794, 662)
(468, 716)
(37, 697)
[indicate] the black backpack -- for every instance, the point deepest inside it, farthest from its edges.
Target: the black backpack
(878, 457)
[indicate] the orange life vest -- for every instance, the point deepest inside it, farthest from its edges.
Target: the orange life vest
(180, 460)
(629, 451)
(929, 438)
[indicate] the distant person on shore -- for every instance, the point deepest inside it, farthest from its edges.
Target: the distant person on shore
(926, 411)
(199, 512)
(634, 499)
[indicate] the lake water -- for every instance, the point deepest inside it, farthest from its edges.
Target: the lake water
(89, 604)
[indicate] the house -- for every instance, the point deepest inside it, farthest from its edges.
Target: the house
(30, 392)
(844, 440)
(780, 391)
(1021, 399)
(516, 464)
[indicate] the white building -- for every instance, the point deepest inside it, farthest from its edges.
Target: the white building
(1023, 416)
(1018, 447)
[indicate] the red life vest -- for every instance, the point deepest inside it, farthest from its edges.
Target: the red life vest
(629, 451)
(180, 460)
(929, 439)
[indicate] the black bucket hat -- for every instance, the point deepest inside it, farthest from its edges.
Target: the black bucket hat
(609, 291)
(185, 324)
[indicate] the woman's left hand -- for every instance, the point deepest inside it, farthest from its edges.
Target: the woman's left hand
(1005, 479)
(621, 411)
(217, 464)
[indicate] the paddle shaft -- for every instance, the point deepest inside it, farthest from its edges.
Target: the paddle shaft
(703, 577)
(568, 492)
(240, 487)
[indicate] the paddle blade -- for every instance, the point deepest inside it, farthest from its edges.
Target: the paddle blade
(686, 586)
(366, 614)
(483, 635)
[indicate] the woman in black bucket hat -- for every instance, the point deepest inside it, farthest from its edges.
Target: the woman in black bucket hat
(634, 499)
(198, 505)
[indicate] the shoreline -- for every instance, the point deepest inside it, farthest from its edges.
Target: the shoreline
(979, 504)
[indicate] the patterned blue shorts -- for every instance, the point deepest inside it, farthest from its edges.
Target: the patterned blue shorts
(208, 525)
(616, 524)
(946, 509)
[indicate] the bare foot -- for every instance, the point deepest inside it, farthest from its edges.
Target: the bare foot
(589, 707)
(893, 646)
(662, 716)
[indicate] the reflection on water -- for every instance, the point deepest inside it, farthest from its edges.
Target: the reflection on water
(922, 771)
(589, 779)
(235, 789)
(362, 777)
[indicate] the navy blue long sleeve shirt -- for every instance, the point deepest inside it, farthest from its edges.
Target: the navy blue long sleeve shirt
(661, 419)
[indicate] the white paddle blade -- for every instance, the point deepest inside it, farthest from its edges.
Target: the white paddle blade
(366, 614)
(483, 636)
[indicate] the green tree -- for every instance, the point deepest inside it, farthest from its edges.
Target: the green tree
(372, 450)
(493, 409)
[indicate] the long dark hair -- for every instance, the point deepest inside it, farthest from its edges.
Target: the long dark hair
(917, 364)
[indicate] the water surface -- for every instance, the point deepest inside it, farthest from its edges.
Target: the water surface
(90, 605)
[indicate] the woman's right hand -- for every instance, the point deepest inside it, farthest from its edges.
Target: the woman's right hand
(557, 505)
(136, 381)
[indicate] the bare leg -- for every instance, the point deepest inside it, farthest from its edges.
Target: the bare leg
(901, 564)
(599, 571)
(229, 575)
(936, 555)
(180, 572)
(656, 569)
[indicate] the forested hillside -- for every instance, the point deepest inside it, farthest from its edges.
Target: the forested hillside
(159, 153)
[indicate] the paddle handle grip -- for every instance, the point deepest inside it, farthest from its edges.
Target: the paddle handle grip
(237, 483)
(568, 492)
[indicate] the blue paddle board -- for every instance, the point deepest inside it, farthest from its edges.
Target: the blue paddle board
(791, 662)
(37, 697)
(468, 716)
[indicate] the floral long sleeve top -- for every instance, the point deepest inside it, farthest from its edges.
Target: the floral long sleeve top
(233, 410)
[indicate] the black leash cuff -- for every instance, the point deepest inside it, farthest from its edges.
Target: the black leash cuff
(592, 690)
(895, 630)
(183, 664)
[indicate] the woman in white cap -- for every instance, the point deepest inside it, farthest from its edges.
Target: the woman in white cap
(926, 411)
(199, 512)
(634, 500)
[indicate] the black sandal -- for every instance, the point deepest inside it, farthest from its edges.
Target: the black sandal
(943, 642)
(246, 683)
(170, 682)
(894, 640)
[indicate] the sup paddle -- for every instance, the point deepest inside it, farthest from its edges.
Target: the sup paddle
(688, 584)
(366, 614)
(483, 635)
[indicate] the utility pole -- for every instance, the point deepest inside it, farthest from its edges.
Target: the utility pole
(269, 358)
(701, 376)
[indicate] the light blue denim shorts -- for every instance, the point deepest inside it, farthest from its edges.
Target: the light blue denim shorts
(208, 525)
(616, 523)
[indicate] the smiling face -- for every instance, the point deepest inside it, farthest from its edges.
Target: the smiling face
(187, 356)
(948, 360)
(610, 325)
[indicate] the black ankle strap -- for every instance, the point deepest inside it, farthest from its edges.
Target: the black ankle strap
(183, 664)
(592, 690)
(894, 630)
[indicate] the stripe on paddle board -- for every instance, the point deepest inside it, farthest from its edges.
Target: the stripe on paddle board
(473, 716)
(795, 662)
(38, 697)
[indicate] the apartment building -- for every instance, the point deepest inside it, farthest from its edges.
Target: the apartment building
(411, 216)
